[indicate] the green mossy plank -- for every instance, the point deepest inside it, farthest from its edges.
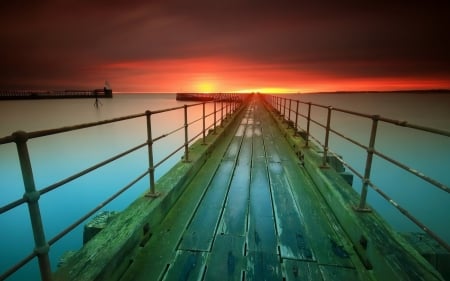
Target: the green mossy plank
(258, 145)
(263, 266)
(302, 271)
(240, 132)
(292, 237)
(261, 225)
(337, 273)
(327, 239)
(160, 250)
(186, 266)
(330, 244)
(234, 217)
(201, 230)
(260, 197)
(245, 154)
(226, 260)
(233, 149)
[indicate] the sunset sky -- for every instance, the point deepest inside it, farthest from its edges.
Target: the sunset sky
(225, 45)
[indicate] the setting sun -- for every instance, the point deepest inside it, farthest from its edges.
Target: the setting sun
(206, 87)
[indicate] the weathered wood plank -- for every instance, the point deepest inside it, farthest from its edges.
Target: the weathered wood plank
(245, 154)
(226, 260)
(330, 243)
(202, 228)
(160, 249)
(263, 266)
(258, 145)
(337, 273)
(233, 149)
(302, 271)
(234, 217)
(292, 237)
(261, 229)
(186, 266)
(327, 240)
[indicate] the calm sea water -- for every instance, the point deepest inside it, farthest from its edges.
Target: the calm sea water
(57, 157)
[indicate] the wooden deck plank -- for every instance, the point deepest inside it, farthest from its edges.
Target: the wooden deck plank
(337, 273)
(261, 228)
(168, 233)
(202, 228)
(233, 149)
(245, 154)
(226, 260)
(302, 271)
(187, 266)
(330, 243)
(234, 217)
(292, 237)
(263, 266)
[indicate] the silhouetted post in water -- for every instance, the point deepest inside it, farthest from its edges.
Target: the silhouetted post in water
(97, 102)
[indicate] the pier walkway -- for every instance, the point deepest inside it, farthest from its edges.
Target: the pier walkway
(252, 199)
(252, 213)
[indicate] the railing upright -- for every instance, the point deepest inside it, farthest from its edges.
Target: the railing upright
(296, 119)
(204, 125)
(221, 113)
(368, 168)
(186, 139)
(32, 197)
(289, 111)
(215, 116)
(308, 123)
(151, 167)
(327, 137)
(279, 104)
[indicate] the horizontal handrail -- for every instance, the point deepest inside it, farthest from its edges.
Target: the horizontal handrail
(90, 169)
(282, 105)
(228, 103)
(401, 123)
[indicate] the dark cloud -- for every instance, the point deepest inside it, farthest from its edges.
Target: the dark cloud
(51, 40)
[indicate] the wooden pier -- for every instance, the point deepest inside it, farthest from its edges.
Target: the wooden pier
(254, 212)
(251, 199)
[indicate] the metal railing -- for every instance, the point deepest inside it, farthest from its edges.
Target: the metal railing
(222, 108)
(287, 107)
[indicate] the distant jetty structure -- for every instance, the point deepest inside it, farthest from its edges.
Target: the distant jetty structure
(203, 97)
(106, 92)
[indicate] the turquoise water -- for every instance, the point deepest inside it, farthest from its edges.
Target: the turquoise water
(57, 157)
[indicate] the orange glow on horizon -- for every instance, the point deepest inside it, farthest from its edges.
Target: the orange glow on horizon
(221, 74)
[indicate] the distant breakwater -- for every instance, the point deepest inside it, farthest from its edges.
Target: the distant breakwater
(58, 94)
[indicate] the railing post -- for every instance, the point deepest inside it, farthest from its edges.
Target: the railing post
(186, 139)
(327, 136)
(284, 108)
(296, 119)
(204, 141)
(373, 133)
(32, 195)
(308, 124)
(151, 168)
(279, 105)
(289, 114)
(215, 116)
(221, 113)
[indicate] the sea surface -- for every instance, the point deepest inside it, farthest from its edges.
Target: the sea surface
(59, 156)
